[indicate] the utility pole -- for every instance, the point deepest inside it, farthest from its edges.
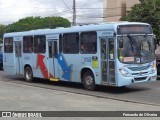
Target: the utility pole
(74, 13)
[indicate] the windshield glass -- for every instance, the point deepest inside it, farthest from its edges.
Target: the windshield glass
(136, 48)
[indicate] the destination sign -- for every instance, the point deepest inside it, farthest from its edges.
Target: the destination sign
(134, 29)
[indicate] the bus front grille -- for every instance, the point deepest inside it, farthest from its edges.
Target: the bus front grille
(139, 68)
(140, 73)
(140, 78)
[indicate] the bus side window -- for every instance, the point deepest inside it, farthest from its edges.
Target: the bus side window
(40, 44)
(111, 48)
(27, 44)
(50, 49)
(55, 49)
(71, 43)
(88, 42)
(60, 43)
(8, 45)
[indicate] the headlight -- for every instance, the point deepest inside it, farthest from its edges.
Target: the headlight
(153, 68)
(153, 65)
(124, 72)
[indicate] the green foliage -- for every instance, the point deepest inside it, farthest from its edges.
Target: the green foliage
(147, 11)
(31, 23)
(2, 29)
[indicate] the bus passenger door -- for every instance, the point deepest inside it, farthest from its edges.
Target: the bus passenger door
(111, 63)
(18, 57)
(107, 60)
(52, 59)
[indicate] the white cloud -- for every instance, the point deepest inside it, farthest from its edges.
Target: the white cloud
(13, 10)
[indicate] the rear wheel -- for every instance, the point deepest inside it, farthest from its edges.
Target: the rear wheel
(28, 74)
(89, 81)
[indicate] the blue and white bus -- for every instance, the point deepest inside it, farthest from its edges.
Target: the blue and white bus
(117, 54)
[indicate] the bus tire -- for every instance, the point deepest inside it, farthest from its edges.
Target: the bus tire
(89, 81)
(28, 74)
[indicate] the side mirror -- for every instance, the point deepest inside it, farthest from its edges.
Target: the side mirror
(121, 43)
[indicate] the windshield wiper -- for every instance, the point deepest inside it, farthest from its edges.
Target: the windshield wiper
(132, 42)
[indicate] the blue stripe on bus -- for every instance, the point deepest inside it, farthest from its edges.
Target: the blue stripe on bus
(66, 69)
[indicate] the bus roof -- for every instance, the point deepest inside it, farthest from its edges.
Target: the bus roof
(92, 27)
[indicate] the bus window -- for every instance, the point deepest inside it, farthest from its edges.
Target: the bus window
(60, 43)
(111, 48)
(88, 42)
(40, 44)
(50, 49)
(55, 49)
(18, 49)
(8, 45)
(28, 44)
(71, 43)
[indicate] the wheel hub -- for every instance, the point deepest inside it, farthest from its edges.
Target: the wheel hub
(89, 80)
(28, 74)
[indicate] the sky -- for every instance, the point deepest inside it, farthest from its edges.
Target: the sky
(87, 11)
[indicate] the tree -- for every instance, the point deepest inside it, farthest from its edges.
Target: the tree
(147, 11)
(2, 29)
(31, 23)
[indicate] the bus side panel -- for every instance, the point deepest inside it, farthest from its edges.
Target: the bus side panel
(28, 60)
(91, 61)
(8, 62)
(39, 64)
(79, 62)
(73, 65)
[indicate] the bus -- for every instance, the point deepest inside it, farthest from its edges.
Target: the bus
(117, 54)
(1, 56)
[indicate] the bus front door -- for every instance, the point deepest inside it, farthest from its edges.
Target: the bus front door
(107, 61)
(52, 60)
(18, 57)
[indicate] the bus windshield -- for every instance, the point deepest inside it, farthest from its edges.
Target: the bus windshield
(136, 49)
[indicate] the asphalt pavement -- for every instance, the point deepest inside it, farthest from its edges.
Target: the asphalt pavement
(21, 97)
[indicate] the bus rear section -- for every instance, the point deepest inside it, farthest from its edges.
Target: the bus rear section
(9, 57)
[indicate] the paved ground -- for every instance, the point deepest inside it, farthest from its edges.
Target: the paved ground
(16, 97)
(21, 97)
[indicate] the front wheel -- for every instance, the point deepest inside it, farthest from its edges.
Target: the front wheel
(89, 81)
(28, 74)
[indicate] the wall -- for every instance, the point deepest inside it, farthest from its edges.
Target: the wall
(114, 9)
